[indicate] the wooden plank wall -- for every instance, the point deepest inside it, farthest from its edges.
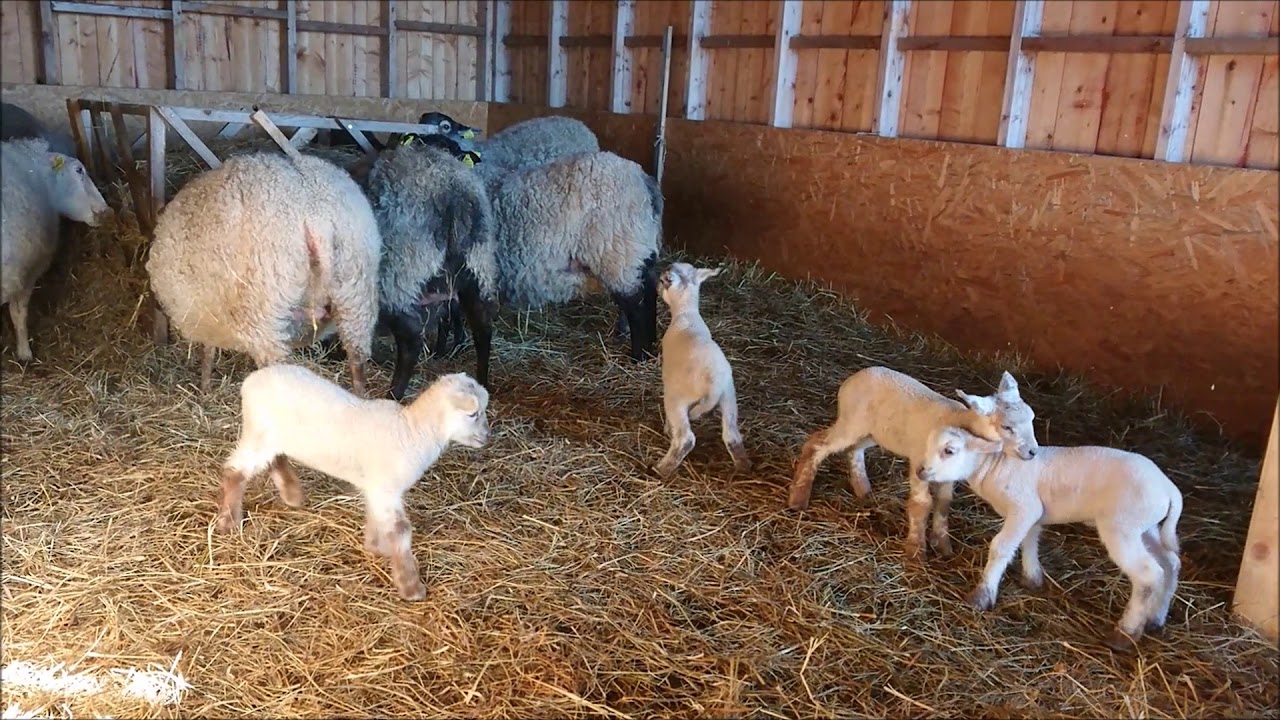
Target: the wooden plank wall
(247, 54)
(1106, 103)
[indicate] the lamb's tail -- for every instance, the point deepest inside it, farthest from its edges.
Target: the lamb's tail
(1169, 528)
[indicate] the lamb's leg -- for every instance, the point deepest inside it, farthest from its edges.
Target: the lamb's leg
(682, 439)
(820, 444)
(397, 540)
(1003, 546)
(286, 482)
(919, 502)
(1171, 565)
(859, 483)
(1032, 570)
(406, 328)
(207, 355)
(18, 314)
(1130, 554)
(245, 462)
(939, 535)
(729, 431)
(479, 314)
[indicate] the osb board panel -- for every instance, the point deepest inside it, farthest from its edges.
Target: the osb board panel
(49, 104)
(19, 42)
(1136, 273)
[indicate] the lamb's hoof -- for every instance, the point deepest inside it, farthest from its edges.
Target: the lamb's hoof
(1032, 584)
(981, 599)
(741, 462)
(413, 591)
(663, 471)
(293, 498)
(1119, 641)
(942, 546)
(912, 553)
(226, 522)
(1154, 626)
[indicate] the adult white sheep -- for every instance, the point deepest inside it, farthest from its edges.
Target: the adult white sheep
(880, 406)
(39, 187)
(696, 376)
(379, 446)
(1132, 504)
(266, 254)
(591, 216)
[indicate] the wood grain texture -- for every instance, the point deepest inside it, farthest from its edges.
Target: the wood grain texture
(1119, 269)
(1257, 596)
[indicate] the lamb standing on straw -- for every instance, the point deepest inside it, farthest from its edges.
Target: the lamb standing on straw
(379, 446)
(39, 186)
(268, 253)
(1133, 505)
(696, 376)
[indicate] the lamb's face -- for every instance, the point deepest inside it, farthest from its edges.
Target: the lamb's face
(466, 403)
(1007, 417)
(952, 455)
(681, 282)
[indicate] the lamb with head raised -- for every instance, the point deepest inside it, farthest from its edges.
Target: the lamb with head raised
(289, 413)
(1131, 503)
(40, 187)
(266, 254)
(880, 406)
(696, 376)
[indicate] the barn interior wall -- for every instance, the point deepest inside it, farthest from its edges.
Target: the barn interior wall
(1119, 269)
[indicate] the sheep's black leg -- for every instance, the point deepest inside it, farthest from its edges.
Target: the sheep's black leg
(406, 327)
(455, 317)
(479, 314)
(649, 277)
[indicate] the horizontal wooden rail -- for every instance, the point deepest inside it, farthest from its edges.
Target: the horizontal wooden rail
(1109, 44)
(84, 8)
(835, 42)
(720, 42)
(1234, 46)
(954, 43)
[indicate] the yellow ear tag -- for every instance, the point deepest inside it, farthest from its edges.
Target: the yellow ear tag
(57, 162)
(466, 160)
(407, 139)
(468, 134)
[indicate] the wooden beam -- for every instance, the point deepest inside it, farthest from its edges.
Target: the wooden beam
(289, 120)
(179, 45)
(557, 59)
(107, 167)
(77, 131)
(184, 132)
(437, 28)
(522, 40)
(291, 47)
(318, 26)
(1257, 596)
(156, 174)
(953, 43)
(50, 67)
(1180, 87)
(230, 130)
(785, 64)
(208, 8)
(624, 24)
(137, 189)
(352, 127)
(260, 119)
(737, 42)
(1233, 46)
(501, 54)
(893, 64)
(85, 122)
(586, 41)
(652, 41)
(103, 9)
(484, 51)
(391, 69)
(1019, 74)
(835, 42)
(302, 136)
(695, 103)
(1111, 44)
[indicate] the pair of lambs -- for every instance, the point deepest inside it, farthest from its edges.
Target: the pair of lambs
(990, 443)
(40, 187)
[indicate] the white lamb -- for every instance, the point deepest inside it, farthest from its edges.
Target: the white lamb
(696, 376)
(39, 186)
(879, 406)
(379, 446)
(1133, 505)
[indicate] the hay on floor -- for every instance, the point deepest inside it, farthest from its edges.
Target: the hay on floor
(565, 580)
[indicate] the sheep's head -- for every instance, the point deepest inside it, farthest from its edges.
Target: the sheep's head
(74, 194)
(1005, 416)
(953, 454)
(680, 283)
(448, 126)
(459, 404)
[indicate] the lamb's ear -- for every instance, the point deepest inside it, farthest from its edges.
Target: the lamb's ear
(1008, 387)
(705, 274)
(978, 403)
(467, 402)
(982, 445)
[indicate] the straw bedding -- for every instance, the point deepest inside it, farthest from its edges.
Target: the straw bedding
(566, 581)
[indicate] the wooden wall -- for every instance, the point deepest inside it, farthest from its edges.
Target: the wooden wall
(340, 47)
(1105, 95)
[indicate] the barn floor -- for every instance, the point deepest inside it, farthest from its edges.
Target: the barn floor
(565, 580)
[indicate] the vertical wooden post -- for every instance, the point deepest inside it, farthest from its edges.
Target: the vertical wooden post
(623, 25)
(291, 47)
(785, 64)
(660, 142)
(1180, 88)
(179, 45)
(484, 51)
(501, 53)
(557, 59)
(51, 68)
(695, 102)
(156, 170)
(1257, 598)
(1020, 74)
(893, 64)
(391, 76)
